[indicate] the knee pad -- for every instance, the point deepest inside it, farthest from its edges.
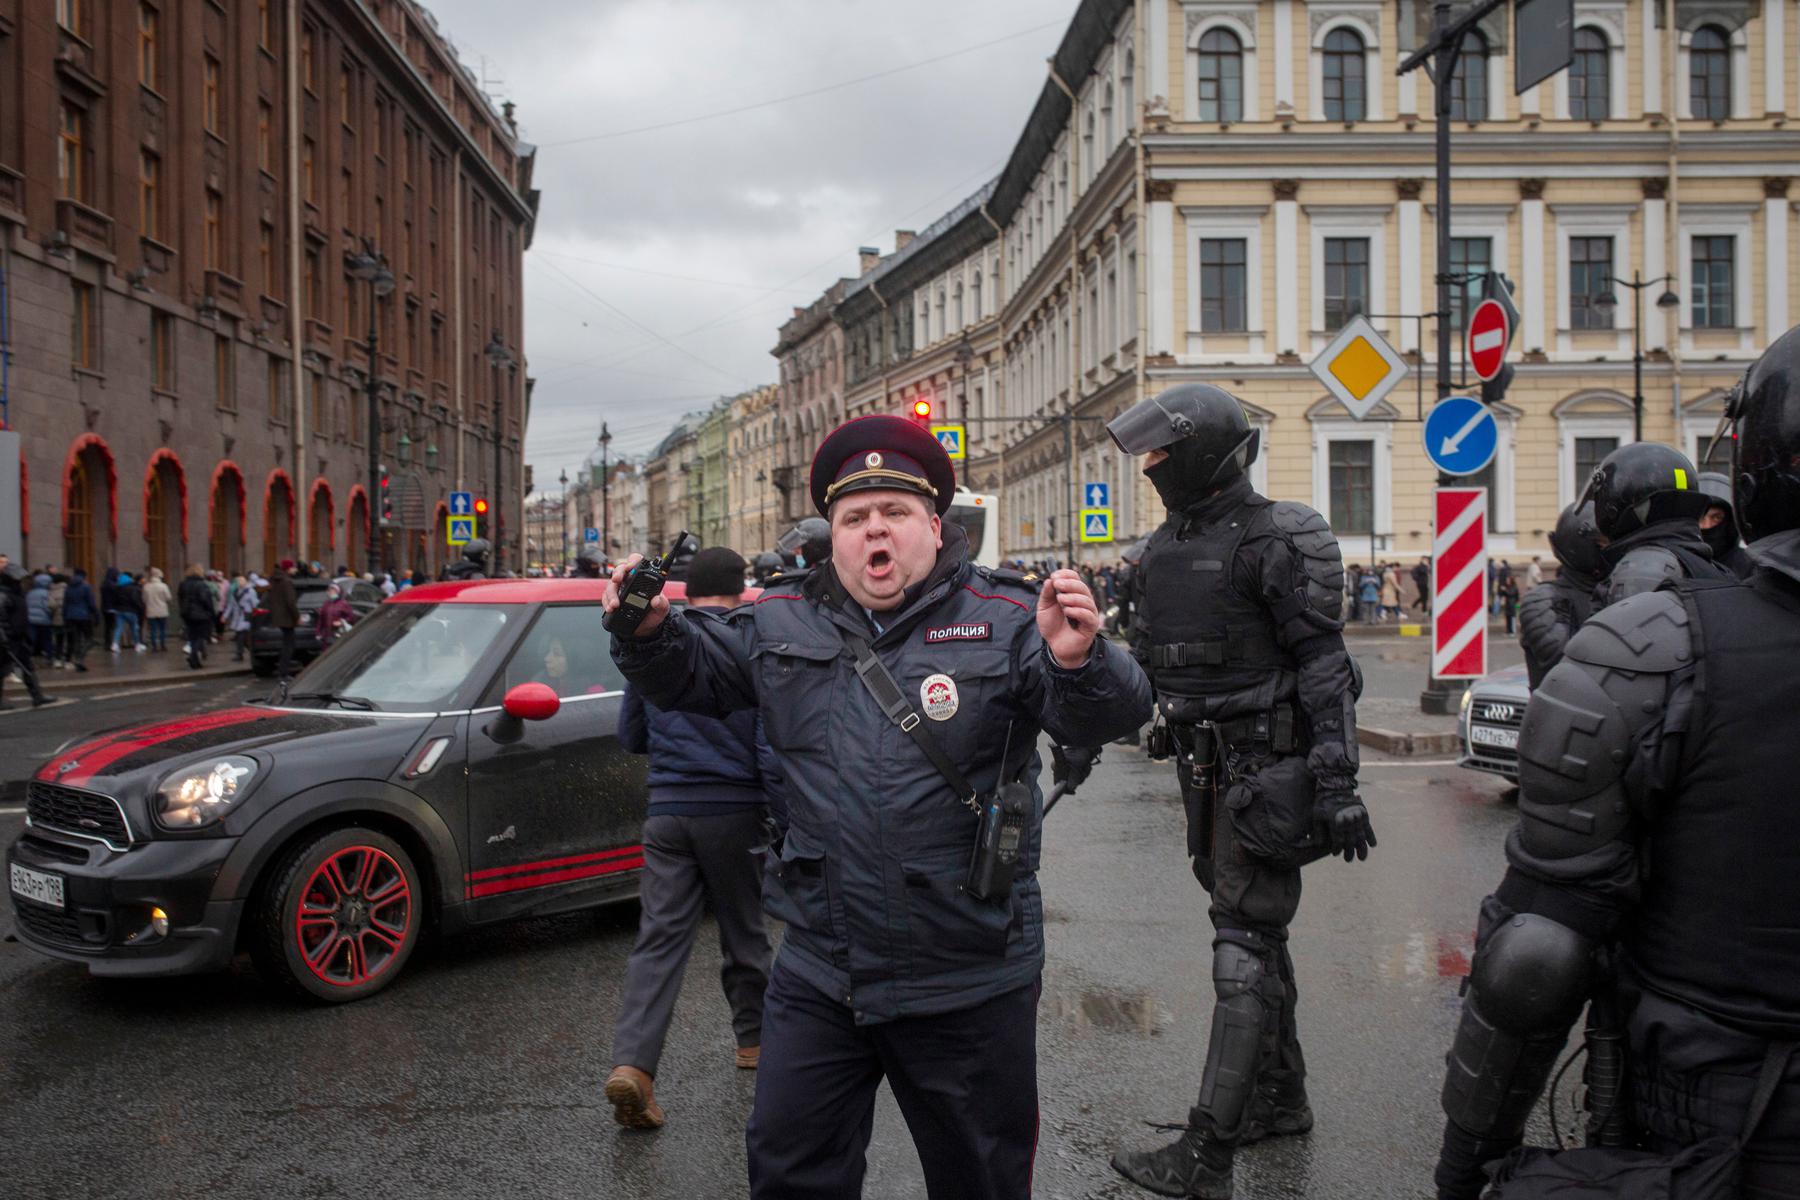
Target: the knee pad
(1532, 974)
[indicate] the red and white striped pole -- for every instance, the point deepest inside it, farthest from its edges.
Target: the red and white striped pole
(1459, 584)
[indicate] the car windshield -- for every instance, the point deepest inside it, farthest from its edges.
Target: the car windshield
(406, 657)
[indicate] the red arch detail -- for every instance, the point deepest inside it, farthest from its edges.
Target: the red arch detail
(164, 454)
(319, 485)
(227, 467)
(80, 444)
(293, 505)
(359, 492)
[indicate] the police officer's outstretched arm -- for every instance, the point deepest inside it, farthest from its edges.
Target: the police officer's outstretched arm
(1301, 578)
(1084, 691)
(694, 663)
(1599, 735)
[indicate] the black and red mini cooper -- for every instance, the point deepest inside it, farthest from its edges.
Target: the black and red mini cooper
(451, 761)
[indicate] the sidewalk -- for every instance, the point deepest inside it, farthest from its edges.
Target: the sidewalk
(132, 669)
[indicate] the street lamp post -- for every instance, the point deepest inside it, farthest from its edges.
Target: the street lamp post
(606, 546)
(563, 519)
(370, 267)
(1606, 302)
(499, 357)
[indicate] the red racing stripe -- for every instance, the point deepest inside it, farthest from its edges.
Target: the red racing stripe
(547, 863)
(91, 758)
(476, 891)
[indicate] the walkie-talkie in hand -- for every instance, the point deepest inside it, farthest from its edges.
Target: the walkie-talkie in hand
(643, 584)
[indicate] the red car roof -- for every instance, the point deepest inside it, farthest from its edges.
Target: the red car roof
(526, 591)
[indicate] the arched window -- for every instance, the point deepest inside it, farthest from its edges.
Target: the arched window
(975, 297)
(942, 326)
(1128, 88)
(1468, 83)
(957, 307)
(1220, 84)
(1343, 72)
(1106, 115)
(1590, 77)
(1087, 147)
(1709, 74)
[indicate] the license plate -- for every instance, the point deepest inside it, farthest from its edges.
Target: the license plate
(1504, 739)
(39, 886)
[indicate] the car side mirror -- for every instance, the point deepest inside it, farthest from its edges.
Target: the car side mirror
(523, 702)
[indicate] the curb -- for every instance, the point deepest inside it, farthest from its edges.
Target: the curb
(1392, 741)
(72, 681)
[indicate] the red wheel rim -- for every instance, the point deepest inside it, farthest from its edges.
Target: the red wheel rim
(354, 916)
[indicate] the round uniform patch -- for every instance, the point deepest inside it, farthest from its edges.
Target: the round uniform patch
(872, 459)
(938, 694)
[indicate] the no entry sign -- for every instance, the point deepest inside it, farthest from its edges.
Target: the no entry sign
(1459, 584)
(1488, 336)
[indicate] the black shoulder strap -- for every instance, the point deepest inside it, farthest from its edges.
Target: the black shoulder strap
(893, 702)
(1774, 1066)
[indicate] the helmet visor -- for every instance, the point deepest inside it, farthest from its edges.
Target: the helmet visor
(1147, 426)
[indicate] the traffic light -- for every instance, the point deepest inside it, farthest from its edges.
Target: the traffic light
(921, 411)
(387, 496)
(481, 511)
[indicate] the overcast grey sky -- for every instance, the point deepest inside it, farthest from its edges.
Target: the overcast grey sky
(707, 233)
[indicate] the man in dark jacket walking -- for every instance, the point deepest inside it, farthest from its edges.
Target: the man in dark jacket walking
(194, 601)
(896, 963)
(704, 824)
(15, 634)
(283, 603)
(79, 611)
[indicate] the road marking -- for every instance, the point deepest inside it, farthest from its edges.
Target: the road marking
(11, 810)
(1424, 762)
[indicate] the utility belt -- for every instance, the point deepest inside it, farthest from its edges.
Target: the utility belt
(1275, 730)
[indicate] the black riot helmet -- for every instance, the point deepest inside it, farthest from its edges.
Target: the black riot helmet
(1575, 541)
(474, 561)
(1203, 428)
(1765, 444)
(809, 542)
(1723, 537)
(764, 565)
(590, 563)
(1640, 484)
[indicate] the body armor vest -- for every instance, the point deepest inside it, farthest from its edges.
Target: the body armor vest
(1719, 928)
(1204, 638)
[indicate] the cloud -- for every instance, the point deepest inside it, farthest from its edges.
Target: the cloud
(664, 262)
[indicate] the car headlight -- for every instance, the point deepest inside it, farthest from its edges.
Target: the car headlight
(203, 793)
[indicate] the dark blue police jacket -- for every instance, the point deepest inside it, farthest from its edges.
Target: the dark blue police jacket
(877, 843)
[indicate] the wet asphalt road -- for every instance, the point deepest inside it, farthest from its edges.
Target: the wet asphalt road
(478, 1073)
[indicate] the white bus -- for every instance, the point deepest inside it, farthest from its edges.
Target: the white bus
(979, 517)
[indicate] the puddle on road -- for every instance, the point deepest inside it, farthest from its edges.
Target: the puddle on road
(1110, 1011)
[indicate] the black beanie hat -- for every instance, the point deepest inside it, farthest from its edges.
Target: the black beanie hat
(716, 571)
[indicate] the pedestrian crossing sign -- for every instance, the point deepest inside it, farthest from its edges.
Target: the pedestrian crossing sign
(1096, 525)
(459, 530)
(953, 438)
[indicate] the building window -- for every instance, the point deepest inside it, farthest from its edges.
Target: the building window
(72, 16)
(265, 252)
(71, 159)
(149, 194)
(313, 273)
(209, 94)
(265, 26)
(1222, 285)
(1590, 77)
(278, 393)
(1128, 88)
(148, 73)
(215, 233)
(1468, 83)
(975, 297)
(957, 306)
(162, 352)
(1221, 76)
(1713, 287)
(224, 377)
(307, 175)
(1590, 275)
(265, 136)
(1342, 70)
(1353, 486)
(1589, 453)
(1346, 280)
(1471, 258)
(1709, 74)
(315, 404)
(309, 59)
(84, 341)
(345, 112)
(1106, 118)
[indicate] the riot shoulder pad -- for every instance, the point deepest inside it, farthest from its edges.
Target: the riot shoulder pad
(1643, 569)
(1644, 633)
(1316, 556)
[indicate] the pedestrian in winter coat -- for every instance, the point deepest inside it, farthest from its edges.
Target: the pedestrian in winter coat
(335, 609)
(80, 609)
(1421, 577)
(1390, 591)
(1368, 593)
(37, 613)
(59, 630)
(240, 602)
(197, 615)
(1534, 574)
(283, 603)
(1506, 590)
(15, 635)
(156, 610)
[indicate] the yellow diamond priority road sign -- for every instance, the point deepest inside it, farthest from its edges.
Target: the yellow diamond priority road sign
(1359, 367)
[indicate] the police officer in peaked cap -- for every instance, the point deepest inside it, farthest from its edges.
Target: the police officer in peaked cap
(1655, 873)
(1240, 622)
(892, 966)
(1551, 612)
(1647, 505)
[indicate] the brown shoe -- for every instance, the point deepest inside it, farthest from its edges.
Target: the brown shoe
(748, 1057)
(633, 1099)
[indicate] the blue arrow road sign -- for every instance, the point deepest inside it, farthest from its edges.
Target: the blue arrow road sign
(590, 534)
(1098, 495)
(462, 504)
(1461, 435)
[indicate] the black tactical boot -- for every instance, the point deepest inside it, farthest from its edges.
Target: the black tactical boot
(1277, 1112)
(1189, 1166)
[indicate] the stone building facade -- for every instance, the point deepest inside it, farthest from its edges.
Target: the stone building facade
(184, 188)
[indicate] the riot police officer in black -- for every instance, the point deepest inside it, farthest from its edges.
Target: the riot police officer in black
(1239, 623)
(1656, 831)
(590, 562)
(1647, 504)
(474, 561)
(1551, 612)
(1718, 525)
(807, 545)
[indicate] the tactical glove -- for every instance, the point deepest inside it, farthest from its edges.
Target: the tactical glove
(1346, 822)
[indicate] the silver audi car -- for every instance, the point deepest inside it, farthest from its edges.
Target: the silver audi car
(1492, 712)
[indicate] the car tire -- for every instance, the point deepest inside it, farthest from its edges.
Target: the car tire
(339, 917)
(263, 667)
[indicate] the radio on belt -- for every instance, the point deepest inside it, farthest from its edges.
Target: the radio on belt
(643, 584)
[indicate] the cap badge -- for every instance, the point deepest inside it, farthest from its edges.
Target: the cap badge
(872, 459)
(938, 694)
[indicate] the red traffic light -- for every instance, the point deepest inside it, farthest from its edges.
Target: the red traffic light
(481, 508)
(922, 410)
